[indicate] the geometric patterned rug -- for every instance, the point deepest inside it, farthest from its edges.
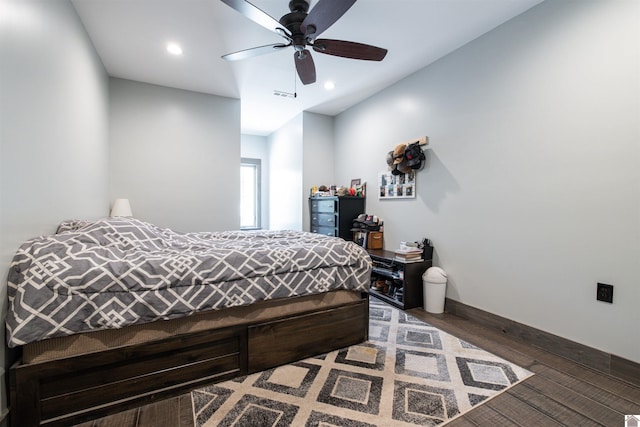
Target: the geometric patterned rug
(408, 373)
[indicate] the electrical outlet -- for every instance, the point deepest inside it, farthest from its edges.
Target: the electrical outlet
(605, 293)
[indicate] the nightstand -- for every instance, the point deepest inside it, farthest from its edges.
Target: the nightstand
(403, 279)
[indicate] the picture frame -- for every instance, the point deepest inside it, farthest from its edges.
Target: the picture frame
(392, 186)
(355, 182)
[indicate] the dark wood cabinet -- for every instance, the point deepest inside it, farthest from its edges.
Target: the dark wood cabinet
(334, 216)
(403, 280)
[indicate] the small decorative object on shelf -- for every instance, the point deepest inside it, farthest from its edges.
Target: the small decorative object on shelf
(321, 191)
(357, 188)
(340, 191)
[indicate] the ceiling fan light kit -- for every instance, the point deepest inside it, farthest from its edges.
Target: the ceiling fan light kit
(300, 30)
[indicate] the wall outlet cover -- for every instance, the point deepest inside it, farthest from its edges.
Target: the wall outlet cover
(605, 292)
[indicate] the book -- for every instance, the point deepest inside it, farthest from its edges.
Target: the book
(408, 260)
(412, 252)
(408, 251)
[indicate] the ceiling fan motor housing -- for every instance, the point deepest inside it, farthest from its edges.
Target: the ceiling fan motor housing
(299, 6)
(292, 21)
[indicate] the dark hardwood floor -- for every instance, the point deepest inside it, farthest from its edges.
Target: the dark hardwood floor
(176, 412)
(561, 393)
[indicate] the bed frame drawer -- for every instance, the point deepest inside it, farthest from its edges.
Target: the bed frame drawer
(125, 377)
(279, 342)
(76, 389)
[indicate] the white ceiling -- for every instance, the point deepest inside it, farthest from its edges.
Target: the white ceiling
(131, 36)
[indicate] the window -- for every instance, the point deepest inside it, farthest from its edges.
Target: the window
(249, 193)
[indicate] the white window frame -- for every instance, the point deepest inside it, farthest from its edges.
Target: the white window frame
(256, 164)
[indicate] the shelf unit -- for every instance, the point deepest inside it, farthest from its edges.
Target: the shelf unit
(404, 279)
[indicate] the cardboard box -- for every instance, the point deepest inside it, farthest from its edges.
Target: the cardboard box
(374, 240)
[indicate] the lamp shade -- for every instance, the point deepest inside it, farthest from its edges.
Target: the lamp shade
(121, 207)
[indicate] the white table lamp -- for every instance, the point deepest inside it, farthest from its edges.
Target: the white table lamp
(121, 207)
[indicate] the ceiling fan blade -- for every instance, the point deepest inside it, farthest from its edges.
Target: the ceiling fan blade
(258, 16)
(351, 50)
(305, 66)
(323, 15)
(255, 51)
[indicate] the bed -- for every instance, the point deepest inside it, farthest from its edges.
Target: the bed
(116, 313)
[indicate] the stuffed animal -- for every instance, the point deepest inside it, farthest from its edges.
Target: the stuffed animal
(342, 191)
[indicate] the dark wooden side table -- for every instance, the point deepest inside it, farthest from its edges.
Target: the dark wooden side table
(403, 280)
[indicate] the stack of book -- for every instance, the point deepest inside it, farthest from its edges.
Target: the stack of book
(409, 254)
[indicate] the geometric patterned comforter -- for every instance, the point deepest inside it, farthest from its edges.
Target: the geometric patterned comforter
(116, 272)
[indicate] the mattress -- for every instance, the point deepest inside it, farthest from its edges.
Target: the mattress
(118, 272)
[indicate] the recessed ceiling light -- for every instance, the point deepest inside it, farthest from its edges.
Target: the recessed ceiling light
(174, 49)
(329, 85)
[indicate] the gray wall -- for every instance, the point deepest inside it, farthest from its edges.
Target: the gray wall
(175, 155)
(53, 126)
(533, 178)
(317, 157)
(285, 181)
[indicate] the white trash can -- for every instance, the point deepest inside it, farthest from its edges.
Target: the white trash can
(434, 281)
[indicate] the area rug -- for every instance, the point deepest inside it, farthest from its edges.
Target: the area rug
(408, 373)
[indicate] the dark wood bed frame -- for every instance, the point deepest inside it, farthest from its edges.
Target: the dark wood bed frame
(77, 389)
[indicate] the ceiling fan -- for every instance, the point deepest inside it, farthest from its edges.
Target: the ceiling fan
(300, 30)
